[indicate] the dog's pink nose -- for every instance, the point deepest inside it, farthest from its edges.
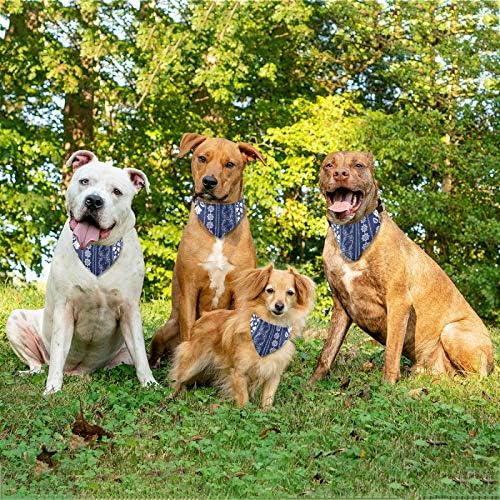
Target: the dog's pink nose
(342, 173)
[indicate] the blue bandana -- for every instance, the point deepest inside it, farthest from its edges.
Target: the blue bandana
(219, 218)
(354, 239)
(98, 258)
(266, 337)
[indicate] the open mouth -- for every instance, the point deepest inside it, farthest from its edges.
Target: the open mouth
(277, 313)
(343, 202)
(87, 230)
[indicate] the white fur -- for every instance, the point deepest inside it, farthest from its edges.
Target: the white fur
(217, 267)
(89, 322)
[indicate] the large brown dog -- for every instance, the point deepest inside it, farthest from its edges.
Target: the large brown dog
(394, 291)
(207, 264)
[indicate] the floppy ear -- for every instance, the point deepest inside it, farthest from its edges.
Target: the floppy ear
(251, 283)
(369, 156)
(305, 288)
(138, 179)
(250, 153)
(79, 158)
(190, 141)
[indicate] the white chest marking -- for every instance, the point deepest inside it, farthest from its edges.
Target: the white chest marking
(349, 276)
(217, 267)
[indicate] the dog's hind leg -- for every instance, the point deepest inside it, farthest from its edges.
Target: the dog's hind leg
(23, 331)
(166, 339)
(468, 346)
(191, 359)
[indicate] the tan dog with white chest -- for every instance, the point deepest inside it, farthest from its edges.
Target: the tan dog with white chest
(249, 347)
(388, 286)
(216, 242)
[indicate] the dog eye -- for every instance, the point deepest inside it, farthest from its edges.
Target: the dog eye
(117, 192)
(328, 165)
(290, 292)
(84, 182)
(229, 164)
(359, 165)
(269, 290)
(202, 159)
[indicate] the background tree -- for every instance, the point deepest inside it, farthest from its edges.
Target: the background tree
(414, 82)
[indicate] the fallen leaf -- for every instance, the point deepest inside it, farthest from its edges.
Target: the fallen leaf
(354, 435)
(213, 407)
(348, 402)
(88, 431)
(365, 393)
(416, 393)
(264, 432)
(344, 383)
(240, 473)
(367, 366)
(318, 478)
(473, 433)
(487, 480)
(436, 443)
(45, 456)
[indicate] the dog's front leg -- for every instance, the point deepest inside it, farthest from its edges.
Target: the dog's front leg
(131, 328)
(339, 325)
(187, 310)
(269, 391)
(398, 313)
(63, 325)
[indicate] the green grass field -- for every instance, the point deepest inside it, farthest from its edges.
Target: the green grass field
(351, 435)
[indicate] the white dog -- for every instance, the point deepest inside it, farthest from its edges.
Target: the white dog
(91, 318)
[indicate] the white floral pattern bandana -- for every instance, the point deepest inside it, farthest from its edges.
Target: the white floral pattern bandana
(354, 239)
(266, 337)
(219, 218)
(98, 258)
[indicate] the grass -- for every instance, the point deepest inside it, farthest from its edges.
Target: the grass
(351, 435)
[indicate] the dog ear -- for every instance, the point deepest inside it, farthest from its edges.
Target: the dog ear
(138, 179)
(305, 288)
(190, 141)
(80, 158)
(250, 153)
(251, 283)
(369, 156)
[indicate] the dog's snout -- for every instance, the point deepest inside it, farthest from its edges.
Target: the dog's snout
(209, 182)
(94, 202)
(341, 173)
(279, 306)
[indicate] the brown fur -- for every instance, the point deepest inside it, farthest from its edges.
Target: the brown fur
(395, 292)
(221, 344)
(193, 290)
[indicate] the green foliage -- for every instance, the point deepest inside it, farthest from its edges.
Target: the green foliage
(411, 81)
(349, 436)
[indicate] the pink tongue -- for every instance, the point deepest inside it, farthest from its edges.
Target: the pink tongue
(340, 206)
(85, 234)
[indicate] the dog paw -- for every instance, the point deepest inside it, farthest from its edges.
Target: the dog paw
(51, 389)
(149, 382)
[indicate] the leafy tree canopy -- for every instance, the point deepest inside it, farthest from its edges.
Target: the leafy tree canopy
(413, 82)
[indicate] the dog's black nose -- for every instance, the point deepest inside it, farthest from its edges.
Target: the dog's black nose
(94, 202)
(209, 181)
(343, 173)
(279, 306)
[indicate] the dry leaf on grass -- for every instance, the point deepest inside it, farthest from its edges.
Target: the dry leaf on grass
(417, 393)
(88, 431)
(45, 456)
(264, 432)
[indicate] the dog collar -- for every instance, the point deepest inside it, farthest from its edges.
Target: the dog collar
(266, 337)
(219, 218)
(354, 239)
(98, 258)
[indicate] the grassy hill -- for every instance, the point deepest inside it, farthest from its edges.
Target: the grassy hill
(350, 435)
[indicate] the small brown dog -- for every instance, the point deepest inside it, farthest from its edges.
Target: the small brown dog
(251, 346)
(388, 286)
(216, 242)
